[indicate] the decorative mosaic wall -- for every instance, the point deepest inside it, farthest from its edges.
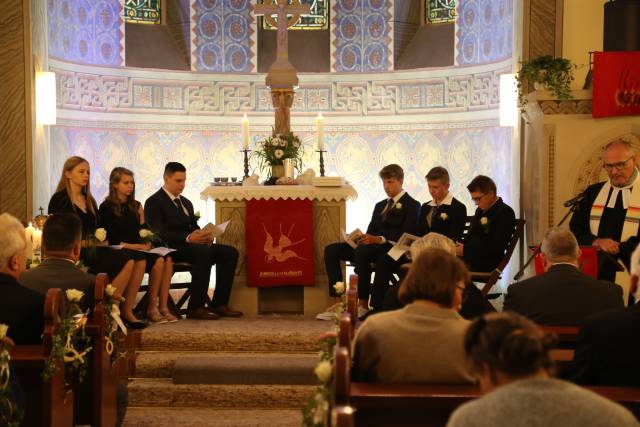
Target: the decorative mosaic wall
(222, 36)
(445, 93)
(86, 31)
(356, 155)
(484, 31)
(361, 35)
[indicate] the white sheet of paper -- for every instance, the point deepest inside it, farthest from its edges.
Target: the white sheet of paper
(216, 230)
(396, 252)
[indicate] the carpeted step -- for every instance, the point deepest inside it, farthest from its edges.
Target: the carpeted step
(254, 334)
(163, 393)
(170, 417)
(241, 368)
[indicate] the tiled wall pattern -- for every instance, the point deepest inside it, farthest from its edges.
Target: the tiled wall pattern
(86, 31)
(222, 36)
(361, 35)
(484, 31)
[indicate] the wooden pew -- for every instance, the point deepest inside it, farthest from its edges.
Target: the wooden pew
(377, 404)
(96, 396)
(342, 416)
(567, 335)
(47, 403)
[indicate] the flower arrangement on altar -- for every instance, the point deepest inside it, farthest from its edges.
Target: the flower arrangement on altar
(273, 150)
(70, 344)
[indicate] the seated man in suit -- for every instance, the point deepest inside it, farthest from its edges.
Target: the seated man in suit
(61, 245)
(21, 309)
(171, 215)
(563, 295)
(444, 214)
(608, 348)
(391, 218)
(491, 227)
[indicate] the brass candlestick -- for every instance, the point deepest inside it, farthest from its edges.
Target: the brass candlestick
(246, 162)
(321, 161)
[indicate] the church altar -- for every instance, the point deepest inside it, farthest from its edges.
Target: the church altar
(329, 218)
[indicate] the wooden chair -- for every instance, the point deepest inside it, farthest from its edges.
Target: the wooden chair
(47, 403)
(178, 308)
(567, 335)
(489, 279)
(96, 396)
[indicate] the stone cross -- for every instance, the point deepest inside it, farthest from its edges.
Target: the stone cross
(282, 77)
(282, 9)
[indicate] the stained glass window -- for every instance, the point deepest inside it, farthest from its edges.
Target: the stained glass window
(440, 11)
(317, 20)
(142, 11)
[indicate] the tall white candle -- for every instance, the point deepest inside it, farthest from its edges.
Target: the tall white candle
(320, 131)
(28, 233)
(245, 132)
(37, 239)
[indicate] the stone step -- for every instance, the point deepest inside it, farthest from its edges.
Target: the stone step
(163, 393)
(254, 334)
(160, 364)
(292, 369)
(170, 417)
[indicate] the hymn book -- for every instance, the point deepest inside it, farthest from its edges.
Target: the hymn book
(353, 238)
(215, 230)
(402, 246)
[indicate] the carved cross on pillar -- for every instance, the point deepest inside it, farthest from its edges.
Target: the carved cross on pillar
(282, 77)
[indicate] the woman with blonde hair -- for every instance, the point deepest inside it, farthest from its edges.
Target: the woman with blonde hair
(125, 269)
(429, 325)
(123, 218)
(509, 355)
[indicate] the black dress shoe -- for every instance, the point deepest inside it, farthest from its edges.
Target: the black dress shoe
(202, 314)
(225, 311)
(140, 324)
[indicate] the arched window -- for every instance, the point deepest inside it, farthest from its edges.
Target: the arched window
(142, 11)
(317, 20)
(440, 11)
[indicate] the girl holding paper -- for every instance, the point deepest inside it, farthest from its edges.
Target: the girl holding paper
(123, 218)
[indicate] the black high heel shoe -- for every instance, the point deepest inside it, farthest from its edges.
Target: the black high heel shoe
(139, 324)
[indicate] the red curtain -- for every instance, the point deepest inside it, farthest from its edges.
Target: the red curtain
(616, 84)
(279, 243)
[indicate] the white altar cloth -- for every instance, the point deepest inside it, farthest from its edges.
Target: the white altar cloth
(266, 192)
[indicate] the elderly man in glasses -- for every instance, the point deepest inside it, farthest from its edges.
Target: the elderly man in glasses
(609, 215)
(491, 227)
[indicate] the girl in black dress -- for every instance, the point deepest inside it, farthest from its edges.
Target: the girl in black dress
(123, 218)
(73, 195)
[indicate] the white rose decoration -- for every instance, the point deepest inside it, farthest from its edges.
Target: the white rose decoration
(278, 154)
(398, 205)
(3, 330)
(339, 287)
(110, 290)
(444, 216)
(197, 214)
(74, 295)
(144, 233)
(484, 220)
(101, 234)
(323, 371)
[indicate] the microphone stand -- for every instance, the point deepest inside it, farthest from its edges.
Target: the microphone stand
(520, 272)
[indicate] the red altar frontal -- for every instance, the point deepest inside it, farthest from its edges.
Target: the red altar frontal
(280, 233)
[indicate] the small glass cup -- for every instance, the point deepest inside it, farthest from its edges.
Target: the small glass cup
(224, 180)
(234, 179)
(216, 180)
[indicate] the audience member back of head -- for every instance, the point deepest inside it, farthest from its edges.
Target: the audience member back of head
(61, 244)
(422, 342)
(20, 308)
(563, 295)
(509, 355)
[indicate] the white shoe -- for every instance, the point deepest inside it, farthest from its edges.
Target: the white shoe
(326, 315)
(362, 312)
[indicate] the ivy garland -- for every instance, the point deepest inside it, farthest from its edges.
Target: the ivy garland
(71, 343)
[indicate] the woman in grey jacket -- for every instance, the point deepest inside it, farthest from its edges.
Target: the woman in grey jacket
(509, 355)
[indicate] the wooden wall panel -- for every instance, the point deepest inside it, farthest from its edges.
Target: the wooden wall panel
(15, 109)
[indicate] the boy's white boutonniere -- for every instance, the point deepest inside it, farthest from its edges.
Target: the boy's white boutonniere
(197, 215)
(444, 216)
(484, 222)
(397, 206)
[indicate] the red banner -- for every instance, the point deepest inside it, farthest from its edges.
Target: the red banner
(616, 84)
(279, 243)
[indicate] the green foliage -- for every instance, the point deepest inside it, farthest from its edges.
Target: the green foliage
(556, 74)
(273, 150)
(10, 414)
